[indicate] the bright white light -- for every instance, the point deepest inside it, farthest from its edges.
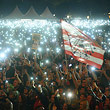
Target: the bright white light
(29, 38)
(45, 72)
(70, 65)
(41, 42)
(39, 85)
(57, 67)
(46, 78)
(6, 81)
(93, 68)
(58, 95)
(72, 58)
(53, 14)
(41, 64)
(34, 53)
(63, 93)
(69, 94)
(36, 78)
(16, 50)
(47, 61)
(32, 78)
(60, 65)
(68, 16)
(28, 50)
(88, 17)
(57, 50)
(48, 49)
(62, 78)
(27, 27)
(76, 67)
(39, 49)
(16, 44)
(2, 55)
(7, 50)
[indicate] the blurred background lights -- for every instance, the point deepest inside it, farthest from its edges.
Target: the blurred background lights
(6, 81)
(53, 14)
(60, 65)
(16, 35)
(39, 85)
(16, 50)
(64, 93)
(48, 49)
(93, 68)
(28, 50)
(46, 78)
(62, 78)
(70, 65)
(69, 94)
(45, 72)
(47, 61)
(2, 55)
(57, 50)
(39, 49)
(76, 67)
(32, 78)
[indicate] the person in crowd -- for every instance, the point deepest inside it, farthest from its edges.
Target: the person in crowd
(27, 85)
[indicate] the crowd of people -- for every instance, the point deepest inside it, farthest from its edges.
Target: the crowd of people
(60, 84)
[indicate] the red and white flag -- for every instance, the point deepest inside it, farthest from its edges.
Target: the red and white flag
(81, 47)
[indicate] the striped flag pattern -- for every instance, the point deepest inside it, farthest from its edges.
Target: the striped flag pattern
(81, 47)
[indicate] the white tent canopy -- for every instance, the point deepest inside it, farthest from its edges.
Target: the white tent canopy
(47, 14)
(31, 14)
(16, 14)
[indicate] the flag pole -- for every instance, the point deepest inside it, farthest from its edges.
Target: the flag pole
(66, 61)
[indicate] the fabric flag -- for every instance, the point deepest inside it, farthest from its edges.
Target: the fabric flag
(81, 47)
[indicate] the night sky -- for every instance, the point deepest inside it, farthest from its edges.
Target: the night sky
(58, 7)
